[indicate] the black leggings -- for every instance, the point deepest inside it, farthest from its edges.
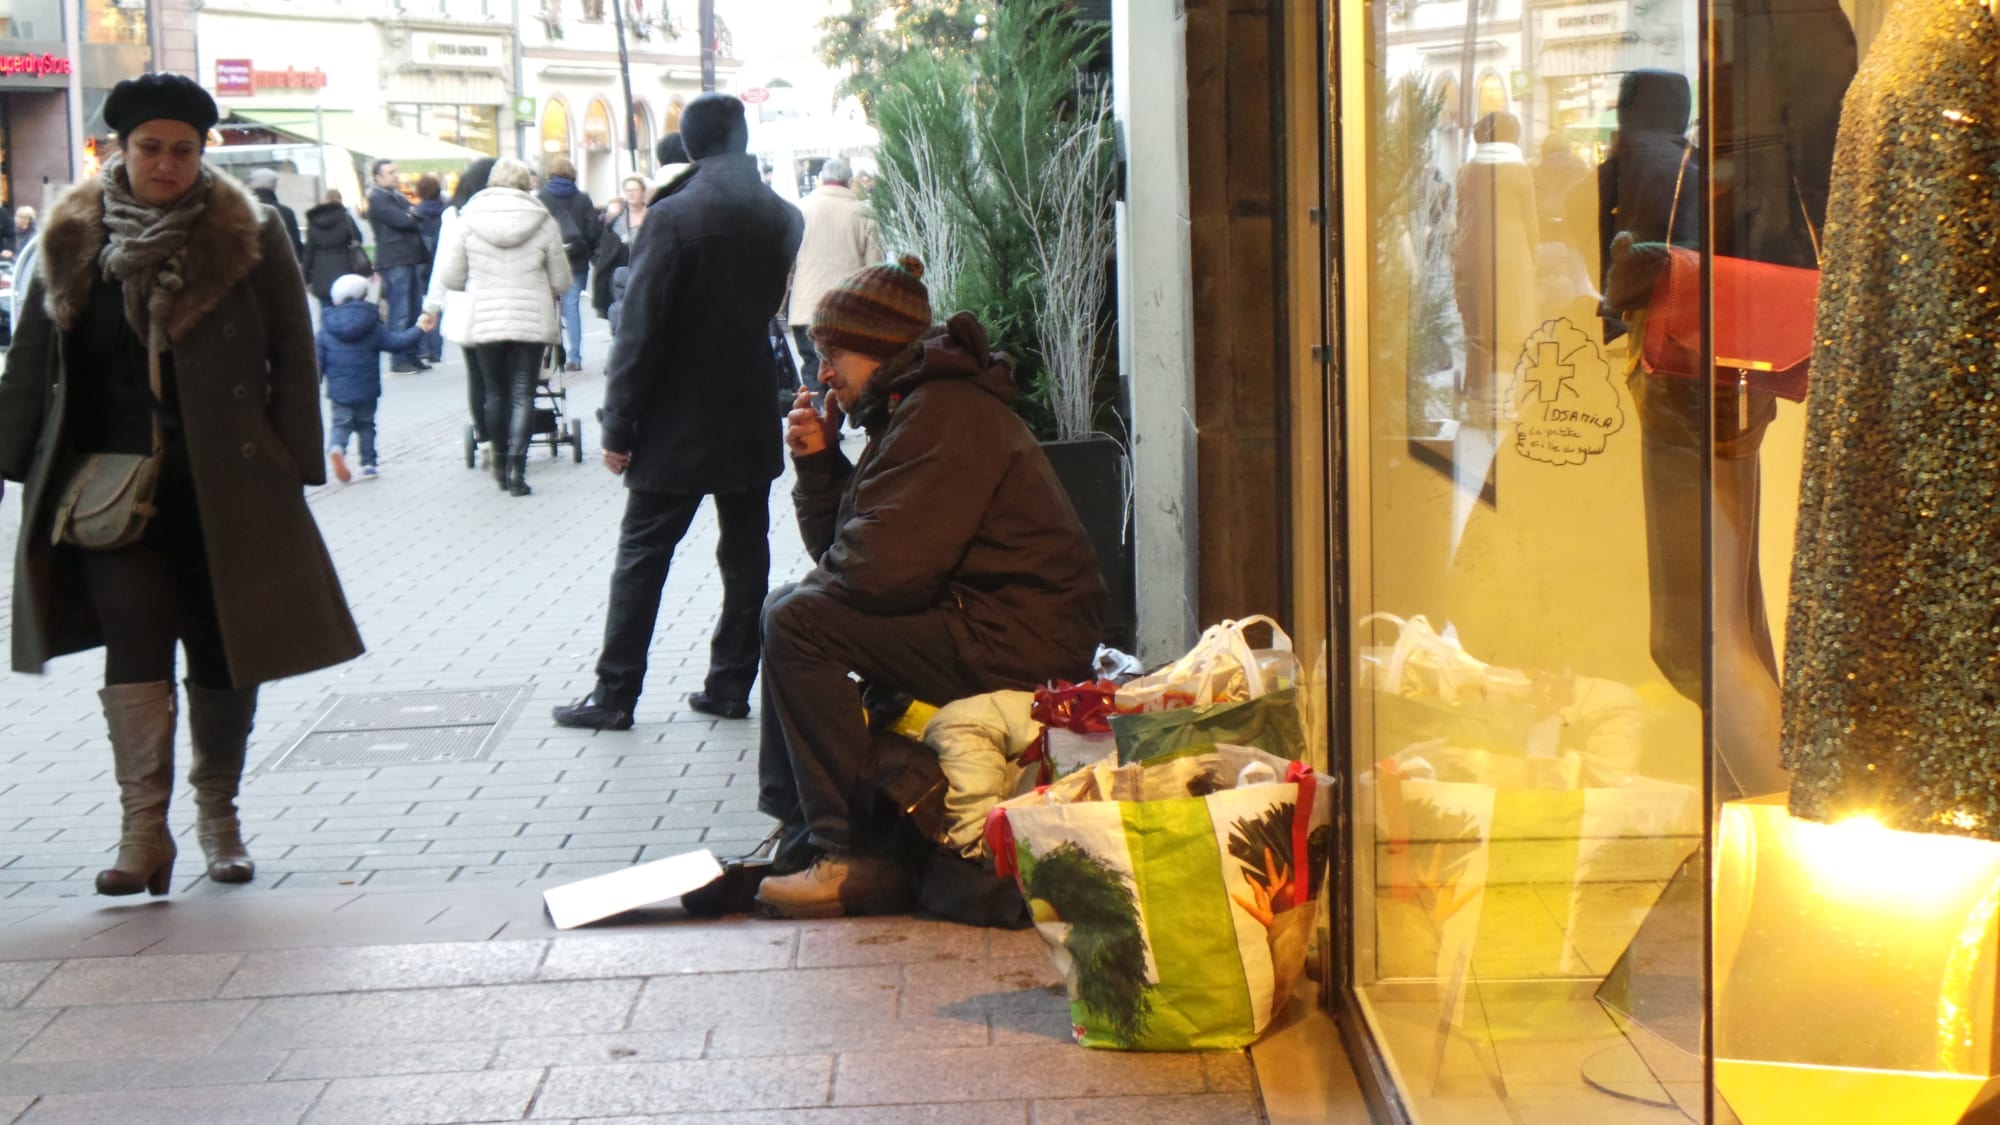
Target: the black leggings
(158, 592)
(475, 391)
(508, 369)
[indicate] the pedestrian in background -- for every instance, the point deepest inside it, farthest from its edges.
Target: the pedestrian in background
(168, 317)
(506, 254)
(687, 410)
(671, 155)
(23, 231)
(451, 303)
(625, 214)
(841, 238)
(264, 185)
(429, 213)
(350, 342)
(622, 218)
(333, 247)
(399, 253)
(581, 227)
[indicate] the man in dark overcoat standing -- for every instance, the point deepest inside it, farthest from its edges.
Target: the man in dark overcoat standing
(687, 410)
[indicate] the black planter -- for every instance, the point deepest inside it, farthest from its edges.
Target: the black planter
(1092, 471)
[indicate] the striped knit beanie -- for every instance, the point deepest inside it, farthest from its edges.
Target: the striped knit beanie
(875, 312)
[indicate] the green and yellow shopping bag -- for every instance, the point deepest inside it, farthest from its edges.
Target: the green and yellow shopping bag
(1175, 894)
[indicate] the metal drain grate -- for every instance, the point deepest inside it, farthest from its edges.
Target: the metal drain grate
(349, 749)
(404, 728)
(398, 710)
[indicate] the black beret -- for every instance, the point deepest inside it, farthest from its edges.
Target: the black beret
(151, 97)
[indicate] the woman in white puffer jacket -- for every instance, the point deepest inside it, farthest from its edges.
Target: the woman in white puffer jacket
(505, 253)
(470, 183)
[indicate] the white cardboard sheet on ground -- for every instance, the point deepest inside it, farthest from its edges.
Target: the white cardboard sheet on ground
(601, 896)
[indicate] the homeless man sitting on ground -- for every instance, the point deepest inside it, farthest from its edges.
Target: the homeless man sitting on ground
(950, 564)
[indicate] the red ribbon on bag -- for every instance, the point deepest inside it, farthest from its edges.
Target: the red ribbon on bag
(1081, 708)
(1308, 783)
(1000, 845)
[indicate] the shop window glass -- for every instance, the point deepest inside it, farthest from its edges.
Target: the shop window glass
(597, 126)
(1673, 629)
(1528, 702)
(117, 22)
(642, 132)
(555, 129)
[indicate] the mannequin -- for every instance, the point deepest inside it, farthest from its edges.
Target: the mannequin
(1892, 674)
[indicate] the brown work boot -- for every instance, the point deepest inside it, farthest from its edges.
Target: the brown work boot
(838, 885)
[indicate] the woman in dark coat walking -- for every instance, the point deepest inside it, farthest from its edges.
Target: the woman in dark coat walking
(168, 317)
(333, 247)
(581, 226)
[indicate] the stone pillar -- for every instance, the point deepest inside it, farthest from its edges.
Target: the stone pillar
(173, 39)
(38, 144)
(1156, 341)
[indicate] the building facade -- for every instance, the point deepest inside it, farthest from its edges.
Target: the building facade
(570, 72)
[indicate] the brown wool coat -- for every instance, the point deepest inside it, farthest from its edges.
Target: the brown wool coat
(248, 385)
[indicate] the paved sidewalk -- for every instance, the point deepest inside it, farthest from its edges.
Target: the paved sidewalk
(391, 962)
(456, 585)
(457, 1006)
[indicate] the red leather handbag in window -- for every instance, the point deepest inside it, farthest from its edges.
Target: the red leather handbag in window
(1763, 318)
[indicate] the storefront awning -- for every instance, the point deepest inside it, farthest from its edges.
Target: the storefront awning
(373, 139)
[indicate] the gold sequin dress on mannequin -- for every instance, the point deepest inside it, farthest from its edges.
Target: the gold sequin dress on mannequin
(1892, 664)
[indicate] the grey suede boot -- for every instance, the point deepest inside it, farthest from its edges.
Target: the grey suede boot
(219, 724)
(140, 718)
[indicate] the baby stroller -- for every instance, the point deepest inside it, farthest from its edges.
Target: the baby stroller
(550, 427)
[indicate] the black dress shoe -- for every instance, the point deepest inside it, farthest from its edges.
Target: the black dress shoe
(721, 708)
(588, 714)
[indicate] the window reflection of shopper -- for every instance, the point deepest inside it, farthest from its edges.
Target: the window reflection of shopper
(1493, 252)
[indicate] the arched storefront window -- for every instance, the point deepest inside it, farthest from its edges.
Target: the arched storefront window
(673, 118)
(555, 129)
(597, 126)
(1492, 95)
(642, 132)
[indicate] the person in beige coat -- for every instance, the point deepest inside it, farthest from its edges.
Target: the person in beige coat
(506, 254)
(841, 238)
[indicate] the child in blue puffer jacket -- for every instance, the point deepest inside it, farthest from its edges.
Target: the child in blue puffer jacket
(351, 341)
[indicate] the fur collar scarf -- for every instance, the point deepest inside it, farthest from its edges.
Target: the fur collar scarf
(221, 250)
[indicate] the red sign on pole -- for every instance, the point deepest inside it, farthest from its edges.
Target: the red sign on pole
(232, 77)
(754, 95)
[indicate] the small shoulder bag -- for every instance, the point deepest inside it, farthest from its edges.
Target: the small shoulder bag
(108, 500)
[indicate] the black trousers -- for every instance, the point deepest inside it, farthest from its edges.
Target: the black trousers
(816, 750)
(475, 392)
(508, 370)
(157, 593)
(808, 357)
(1671, 453)
(653, 527)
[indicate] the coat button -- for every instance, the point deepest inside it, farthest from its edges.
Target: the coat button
(229, 330)
(249, 451)
(240, 391)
